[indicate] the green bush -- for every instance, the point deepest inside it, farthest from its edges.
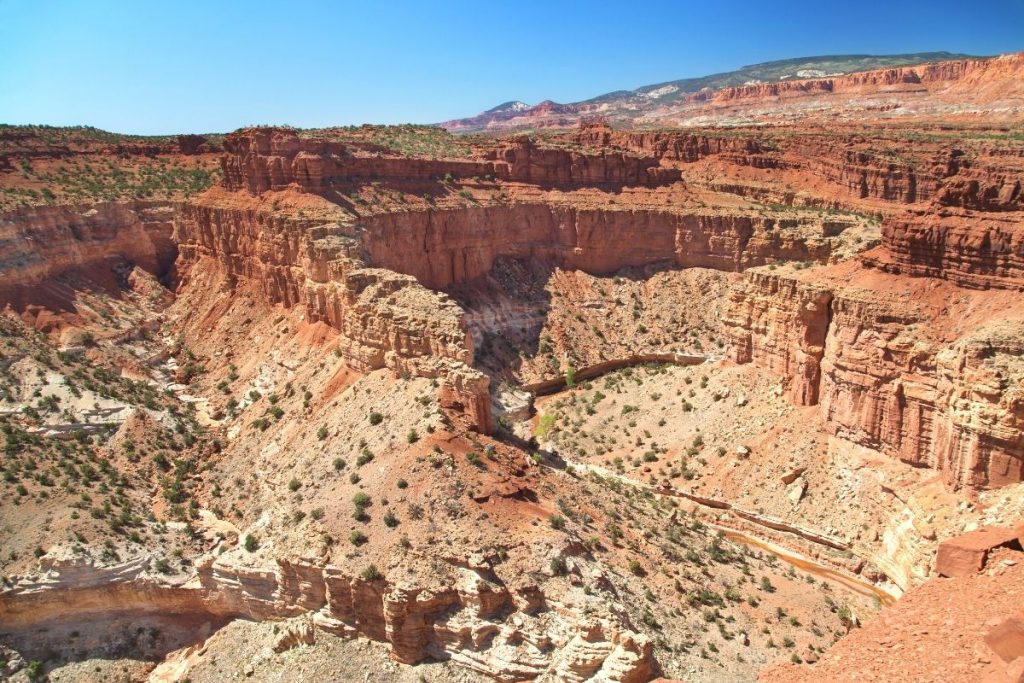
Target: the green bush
(34, 671)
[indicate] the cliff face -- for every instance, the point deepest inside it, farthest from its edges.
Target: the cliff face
(39, 244)
(261, 159)
(789, 339)
(522, 160)
(669, 145)
(953, 408)
(980, 252)
(857, 171)
(897, 168)
(951, 405)
(386, 319)
(264, 159)
(442, 248)
(474, 619)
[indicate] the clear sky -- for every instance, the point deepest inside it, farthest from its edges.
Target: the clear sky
(186, 66)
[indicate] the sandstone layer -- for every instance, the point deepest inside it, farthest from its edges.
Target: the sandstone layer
(951, 405)
(39, 244)
(505, 633)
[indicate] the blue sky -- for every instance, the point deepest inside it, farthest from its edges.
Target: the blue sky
(161, 67)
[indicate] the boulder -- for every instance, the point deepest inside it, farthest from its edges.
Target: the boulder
(966, 554)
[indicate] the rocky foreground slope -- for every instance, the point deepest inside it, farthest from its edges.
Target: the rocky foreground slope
(601, 405)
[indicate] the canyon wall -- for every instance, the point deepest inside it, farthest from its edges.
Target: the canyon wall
(789, 339)
(373, 279)
(38, 244)
(442, 248)
(671, 145)
(386, 319)
(261, 159)
(954, 405)
(474, 619)
(982, 175)
(977, 251)
(858, 171)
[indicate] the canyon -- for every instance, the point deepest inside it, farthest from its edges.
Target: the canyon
(529, 407)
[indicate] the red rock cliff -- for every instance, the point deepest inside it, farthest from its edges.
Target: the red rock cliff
(386, 319)
(38, 244)
(261, 159)
(950, 403)
(977, 251)
(445, 247)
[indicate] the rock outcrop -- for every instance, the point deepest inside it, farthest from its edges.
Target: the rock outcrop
(386, 318)
(960, 629)
(476, 621)
(38, 244)
(445, 247)
(954, 406)
(786, 338)
(977, 251)
(261, 159)
(967, 554)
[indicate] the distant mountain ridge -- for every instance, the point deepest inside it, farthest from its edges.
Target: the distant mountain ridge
(627, 104)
